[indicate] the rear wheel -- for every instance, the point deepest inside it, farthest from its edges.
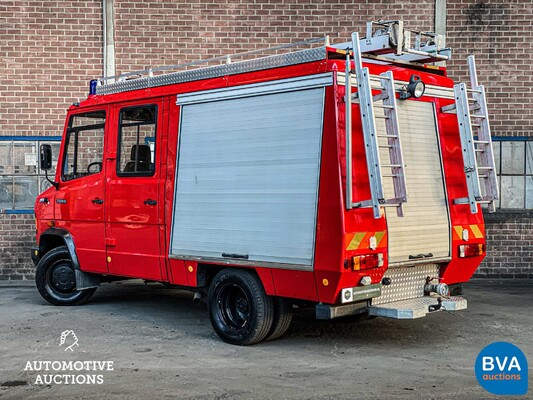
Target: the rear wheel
(240, 311)
(282, 318)
(56, 281)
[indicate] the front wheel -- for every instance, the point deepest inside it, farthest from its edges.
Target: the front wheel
(239, 309)
(56, 281)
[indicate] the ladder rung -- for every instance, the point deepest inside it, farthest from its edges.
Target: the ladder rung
(388, 136)
(381, 116)
(480, 150)
(481, 141)
(391, 165)
(383, 106)
(477, 116)
(385, 146)
(390, 175)
(476, 125)
(473, 91)
(485, 168)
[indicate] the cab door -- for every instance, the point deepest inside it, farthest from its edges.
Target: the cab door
(133, 204)
(80, 199)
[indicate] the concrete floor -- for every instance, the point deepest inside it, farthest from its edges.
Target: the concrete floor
(162, 346)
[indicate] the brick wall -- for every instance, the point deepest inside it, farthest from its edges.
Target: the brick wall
(499, 34)
(510, 244)
(50, 49)
(17, 235)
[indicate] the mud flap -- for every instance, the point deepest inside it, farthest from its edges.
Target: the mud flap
(417, 308)
(85, 280)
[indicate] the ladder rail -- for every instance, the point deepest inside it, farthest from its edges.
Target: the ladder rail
(484, 134)
(395, 149)
(366, 108)
(478, 154)
(467, 146)
(366, 84)
(348, 132)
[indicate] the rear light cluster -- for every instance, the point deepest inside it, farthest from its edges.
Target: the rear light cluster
(471, 250)
(366, 261)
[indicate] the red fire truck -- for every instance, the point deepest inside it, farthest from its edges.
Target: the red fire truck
(349, 177)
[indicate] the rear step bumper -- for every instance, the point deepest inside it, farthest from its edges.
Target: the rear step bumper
(416, 308)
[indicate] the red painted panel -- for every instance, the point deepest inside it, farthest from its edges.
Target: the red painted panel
(88, 238)
(295, 284)
(178, 272)
(136, 253)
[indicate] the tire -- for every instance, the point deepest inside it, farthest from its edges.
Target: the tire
(282, 318)
(56, 282)
(240, 311)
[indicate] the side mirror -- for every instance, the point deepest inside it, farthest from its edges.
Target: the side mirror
(46, 157)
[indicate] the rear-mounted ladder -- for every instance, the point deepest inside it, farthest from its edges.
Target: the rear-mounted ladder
(394, 166)
(472, 117)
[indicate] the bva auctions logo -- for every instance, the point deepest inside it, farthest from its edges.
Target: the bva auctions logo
(501, 368)
(65, 335)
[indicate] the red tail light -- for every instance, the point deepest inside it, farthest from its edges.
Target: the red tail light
(367, 261)
(471, 250)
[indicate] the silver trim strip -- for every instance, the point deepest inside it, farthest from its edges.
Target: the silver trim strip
(232, 261)
(257, 89)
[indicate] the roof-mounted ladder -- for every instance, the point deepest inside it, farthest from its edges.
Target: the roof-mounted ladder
(386, 100)
(472, 117)
(389, 40)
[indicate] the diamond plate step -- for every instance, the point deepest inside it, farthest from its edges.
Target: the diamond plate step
(415, 308)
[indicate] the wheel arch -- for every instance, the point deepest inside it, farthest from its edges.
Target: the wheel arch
(206, 272)
(55, 237)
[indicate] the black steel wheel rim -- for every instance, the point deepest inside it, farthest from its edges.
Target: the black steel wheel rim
(233, 306)
(60, 279)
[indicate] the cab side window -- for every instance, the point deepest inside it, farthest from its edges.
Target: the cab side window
(84, 145)
(137, 134)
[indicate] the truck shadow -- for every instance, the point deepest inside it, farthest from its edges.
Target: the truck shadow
(173, 309)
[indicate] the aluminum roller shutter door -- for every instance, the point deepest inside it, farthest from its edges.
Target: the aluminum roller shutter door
(247, 180)
(425, 226)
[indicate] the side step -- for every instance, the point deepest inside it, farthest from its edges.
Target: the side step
(417, 308)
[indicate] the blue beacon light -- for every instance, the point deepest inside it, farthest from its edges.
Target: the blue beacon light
(92, 87)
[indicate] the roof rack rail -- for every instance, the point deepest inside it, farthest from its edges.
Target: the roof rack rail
(228, 59)
(385, 40)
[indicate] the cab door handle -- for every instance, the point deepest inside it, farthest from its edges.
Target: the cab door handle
(150, 202)
(97, 201)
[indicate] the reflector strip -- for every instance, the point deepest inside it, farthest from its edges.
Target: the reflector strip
(476, 231)
(360, 240)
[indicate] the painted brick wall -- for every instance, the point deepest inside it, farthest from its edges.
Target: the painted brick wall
(50, 49)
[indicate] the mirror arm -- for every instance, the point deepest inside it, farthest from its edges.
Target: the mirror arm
(54, 184)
